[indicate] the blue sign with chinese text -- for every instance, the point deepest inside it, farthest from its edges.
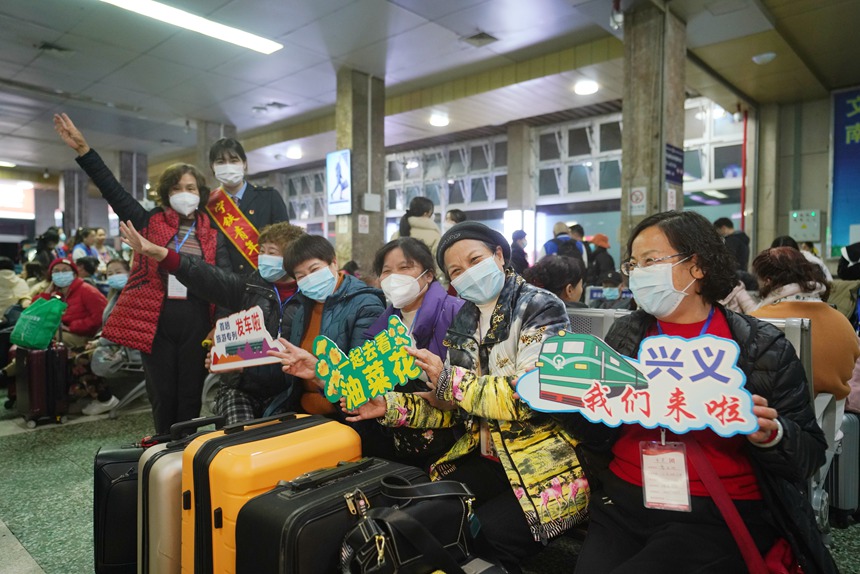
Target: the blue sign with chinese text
(846, 168)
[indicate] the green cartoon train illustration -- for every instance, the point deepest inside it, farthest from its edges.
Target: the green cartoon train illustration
(571, 363)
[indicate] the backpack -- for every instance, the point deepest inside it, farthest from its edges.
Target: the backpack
(568, 248)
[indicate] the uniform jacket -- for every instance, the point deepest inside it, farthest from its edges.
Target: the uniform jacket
(83, 316)
(774, 372)
(134, 321)
(234, 293)
(536, 452)
(262, 206)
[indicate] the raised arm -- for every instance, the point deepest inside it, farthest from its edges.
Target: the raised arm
(123, 204)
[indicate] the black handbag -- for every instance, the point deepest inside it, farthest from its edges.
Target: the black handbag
(427, 532)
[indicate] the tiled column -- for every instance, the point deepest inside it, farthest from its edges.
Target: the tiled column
(73, 199)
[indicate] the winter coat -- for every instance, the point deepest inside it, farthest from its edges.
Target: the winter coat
(738, 244)
(83, 316)
(519, 261)
(600, 262)
(429, 328)
(134, 321)
(537, 454)
(12, 289)
(424, 230)
(773, 371)
(234, 293)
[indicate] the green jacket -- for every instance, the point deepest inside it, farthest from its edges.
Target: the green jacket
(537, 454)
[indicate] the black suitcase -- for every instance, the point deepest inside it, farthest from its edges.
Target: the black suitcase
(298, 528)
(42, 384)
(115, 509)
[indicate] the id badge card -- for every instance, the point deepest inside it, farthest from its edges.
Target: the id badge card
(488, 450)
(175, 289)
(665, 484)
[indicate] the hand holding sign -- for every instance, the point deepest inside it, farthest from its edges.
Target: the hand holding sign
(367, 371)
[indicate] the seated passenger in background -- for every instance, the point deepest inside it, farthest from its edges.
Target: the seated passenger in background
(520, 464)
(679, 268)
(243, 395)
(613, 286)
(788, 241)
(83, 316)
(332, 304)
(791, 286)
(407, 272)
(560, 275)
(13, 289)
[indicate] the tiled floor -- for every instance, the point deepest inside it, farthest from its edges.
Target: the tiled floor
(46, 483)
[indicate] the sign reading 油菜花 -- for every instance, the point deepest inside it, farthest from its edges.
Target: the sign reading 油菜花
(678, 384)
(241, 340)
(367, 371)
(844, 215)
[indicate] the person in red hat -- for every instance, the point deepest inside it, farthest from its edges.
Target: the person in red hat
(83, 316)
(600, 261)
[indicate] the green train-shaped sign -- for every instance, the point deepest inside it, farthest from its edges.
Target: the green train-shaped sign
(571, 363)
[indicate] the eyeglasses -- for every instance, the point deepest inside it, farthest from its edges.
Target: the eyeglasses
(629, 266)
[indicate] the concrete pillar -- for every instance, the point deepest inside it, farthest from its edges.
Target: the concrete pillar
(360, 125)
(653, 116)
(73, 199)
(207, 134)
(767, 192)
(132, 173)
(521, 189)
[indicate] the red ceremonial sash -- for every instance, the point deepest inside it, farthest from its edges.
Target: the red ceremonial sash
(234, 225)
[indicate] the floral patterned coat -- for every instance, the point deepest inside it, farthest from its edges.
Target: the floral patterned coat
(536, 453)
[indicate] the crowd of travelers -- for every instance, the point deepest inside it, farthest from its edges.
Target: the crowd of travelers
(478, 309)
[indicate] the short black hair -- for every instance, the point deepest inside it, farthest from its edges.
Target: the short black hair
(35, 269)
(304, 248)
(578, 229)
(120, 261)
(413, 250)
(7, 264)
(784, 241)
(228, 146)
(457, 215)
(555, 272)
(724, 222)
(88, 264)
(692, 234)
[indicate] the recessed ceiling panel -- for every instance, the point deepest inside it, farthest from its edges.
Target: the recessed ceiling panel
(261, 69)
(151, 75)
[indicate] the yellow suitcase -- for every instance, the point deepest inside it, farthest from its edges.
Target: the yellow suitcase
(224, 469)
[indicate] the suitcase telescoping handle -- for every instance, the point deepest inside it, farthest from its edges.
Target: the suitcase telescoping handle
(239, 427)
(318, 477)
(177, 430)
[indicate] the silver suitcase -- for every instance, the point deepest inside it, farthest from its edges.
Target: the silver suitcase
(843, 482)
(159, 500)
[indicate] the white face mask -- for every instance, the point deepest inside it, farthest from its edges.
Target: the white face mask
(184, 202)
(401, 290)
(230, 173)
(654, 289)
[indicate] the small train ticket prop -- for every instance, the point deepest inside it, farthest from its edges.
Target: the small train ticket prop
(241, 340)
(367, 371)
(678, 384)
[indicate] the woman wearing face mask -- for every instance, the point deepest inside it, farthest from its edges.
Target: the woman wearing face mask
(520, 464)
(83, 316)
(260, 206)
(679, 268)
(407, 276)
(243, 395)
(560, 275)
(613, 286)
(156, 314)
(104, 357)
(332, 304)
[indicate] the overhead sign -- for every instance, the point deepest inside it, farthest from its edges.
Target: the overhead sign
(846, 168)
(367, 371)
(679, 384)
(241, 340)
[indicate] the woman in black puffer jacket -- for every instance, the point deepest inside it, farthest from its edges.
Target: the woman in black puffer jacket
(679, 268)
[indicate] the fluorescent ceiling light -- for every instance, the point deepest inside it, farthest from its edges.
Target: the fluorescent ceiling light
(7, 164)
(716, 194)
(183, 19)
(294, 152)
(412, 164)
(439, 119)
(585, 87)
(764, 58)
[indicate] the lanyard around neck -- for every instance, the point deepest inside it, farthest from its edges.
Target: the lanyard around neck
(704, 327)
(184, 239)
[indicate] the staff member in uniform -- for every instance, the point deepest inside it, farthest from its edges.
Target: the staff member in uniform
(155, 313)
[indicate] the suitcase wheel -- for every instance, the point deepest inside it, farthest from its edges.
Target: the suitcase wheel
(9, 404)
(31, 424)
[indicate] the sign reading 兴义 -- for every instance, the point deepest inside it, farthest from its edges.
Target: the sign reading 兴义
(679, 384)
(367, 371)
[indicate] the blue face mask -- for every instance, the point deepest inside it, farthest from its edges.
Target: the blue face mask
(611, 293)
(271, 267)
(117, 281)
(62, 279)
(319, 285)
(480, 283)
